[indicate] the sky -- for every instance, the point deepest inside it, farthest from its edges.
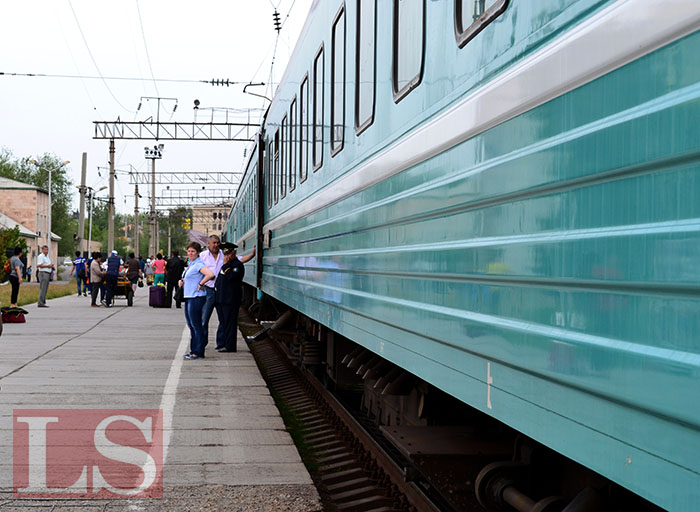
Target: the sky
(177, 40)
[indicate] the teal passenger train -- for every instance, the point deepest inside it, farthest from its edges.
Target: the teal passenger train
(495, 206)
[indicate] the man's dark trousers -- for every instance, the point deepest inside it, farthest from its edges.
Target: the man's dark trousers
(228, 326)
(111, 288)
(172, 288)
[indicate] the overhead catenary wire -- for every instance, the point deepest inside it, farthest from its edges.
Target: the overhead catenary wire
(148, 57)
(77, 22)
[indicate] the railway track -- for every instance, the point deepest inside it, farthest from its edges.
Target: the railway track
(350, 468)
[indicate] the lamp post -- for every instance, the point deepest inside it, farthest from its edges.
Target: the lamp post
(153, 154)
(91, 195)
(48, 230)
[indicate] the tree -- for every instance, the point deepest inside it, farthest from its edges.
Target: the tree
(9, 239)
(61, 188)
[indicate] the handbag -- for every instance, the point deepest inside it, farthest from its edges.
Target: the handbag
(140, 283)
(180, 295)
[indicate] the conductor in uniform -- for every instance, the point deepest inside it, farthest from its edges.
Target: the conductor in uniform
(227, 298)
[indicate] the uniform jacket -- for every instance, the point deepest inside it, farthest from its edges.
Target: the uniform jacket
(228, 283)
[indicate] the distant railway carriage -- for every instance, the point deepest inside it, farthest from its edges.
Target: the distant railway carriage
(501, 198)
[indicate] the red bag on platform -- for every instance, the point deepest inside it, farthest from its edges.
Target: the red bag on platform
(13, 317)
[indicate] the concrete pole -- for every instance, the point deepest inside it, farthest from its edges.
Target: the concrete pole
(110, 217)
(136, 222)
(154, 230)
(170, 218)
(48, 231)
(90, 223)
(81, 217)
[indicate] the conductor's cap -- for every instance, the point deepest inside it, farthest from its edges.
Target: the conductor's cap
(228, 247)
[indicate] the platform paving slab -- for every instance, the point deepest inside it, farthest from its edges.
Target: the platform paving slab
(227, 446)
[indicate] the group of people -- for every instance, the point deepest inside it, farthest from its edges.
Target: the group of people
(17, 270)
(212, 280)
(97, 276)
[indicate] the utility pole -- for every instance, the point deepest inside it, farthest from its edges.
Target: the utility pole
(110, 217)
(81, 217)
(170, 223)
(153, 155)
(136, 222)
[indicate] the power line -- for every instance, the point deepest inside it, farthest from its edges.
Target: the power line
(93, 58)
(213, 81)
(148, 57)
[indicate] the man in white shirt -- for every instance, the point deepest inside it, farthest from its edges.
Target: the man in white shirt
(44, 268)
(214, 260)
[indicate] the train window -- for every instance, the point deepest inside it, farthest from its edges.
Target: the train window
(472, 16)
(338, 83)
(304, 130)
(409, 45)
(268, 182)
(365, 64)
(318, 110)
(283, 159)
(292, 145)
(276, 166)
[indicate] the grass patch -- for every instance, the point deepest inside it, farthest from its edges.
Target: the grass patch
(29, 294)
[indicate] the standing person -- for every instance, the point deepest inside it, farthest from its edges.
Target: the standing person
(148, 271)
(133, 271)
(15, 276)
(159, 270)
(113, 264)
(80, 269)
(44, 268)
(214, 260)
(173, 272)
(228, 298)
(96, 276)
(193, 281)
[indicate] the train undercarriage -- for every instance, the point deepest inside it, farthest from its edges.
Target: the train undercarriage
(460, 457)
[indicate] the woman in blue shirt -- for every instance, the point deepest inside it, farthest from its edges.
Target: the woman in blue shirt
(192, 283)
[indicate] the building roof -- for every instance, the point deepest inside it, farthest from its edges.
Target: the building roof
(8, 223)
(8, 184)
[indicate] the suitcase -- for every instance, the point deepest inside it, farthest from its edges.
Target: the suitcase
(156, 296)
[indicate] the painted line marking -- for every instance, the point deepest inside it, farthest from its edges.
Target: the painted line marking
(167, 402)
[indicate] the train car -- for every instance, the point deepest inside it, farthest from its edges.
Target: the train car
(501, 199)
(242, 225)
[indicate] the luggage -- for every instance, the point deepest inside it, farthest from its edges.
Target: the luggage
(13, 315)
(156, 296)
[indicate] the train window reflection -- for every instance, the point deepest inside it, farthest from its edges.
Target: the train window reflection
(365, 64)
(472, 16)
(283, 159)
(409, 44)
(276, 166)
(304, 130)
(292, 145)
(318, 110)
(338, 83)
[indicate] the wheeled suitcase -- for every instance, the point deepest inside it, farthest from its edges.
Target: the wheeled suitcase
(156, 296)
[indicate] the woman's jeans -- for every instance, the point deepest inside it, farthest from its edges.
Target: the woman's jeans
(15, 289)
(193, 317)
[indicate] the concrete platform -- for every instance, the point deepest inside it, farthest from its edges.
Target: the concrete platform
(220, 427)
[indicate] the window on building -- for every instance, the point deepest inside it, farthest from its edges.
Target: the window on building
(338, 83)
(318, 110)
(283, 158)
(365, 64)
(472, 16)
(293, 145)
(304, 130)
(213, 226)
(409, 44)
